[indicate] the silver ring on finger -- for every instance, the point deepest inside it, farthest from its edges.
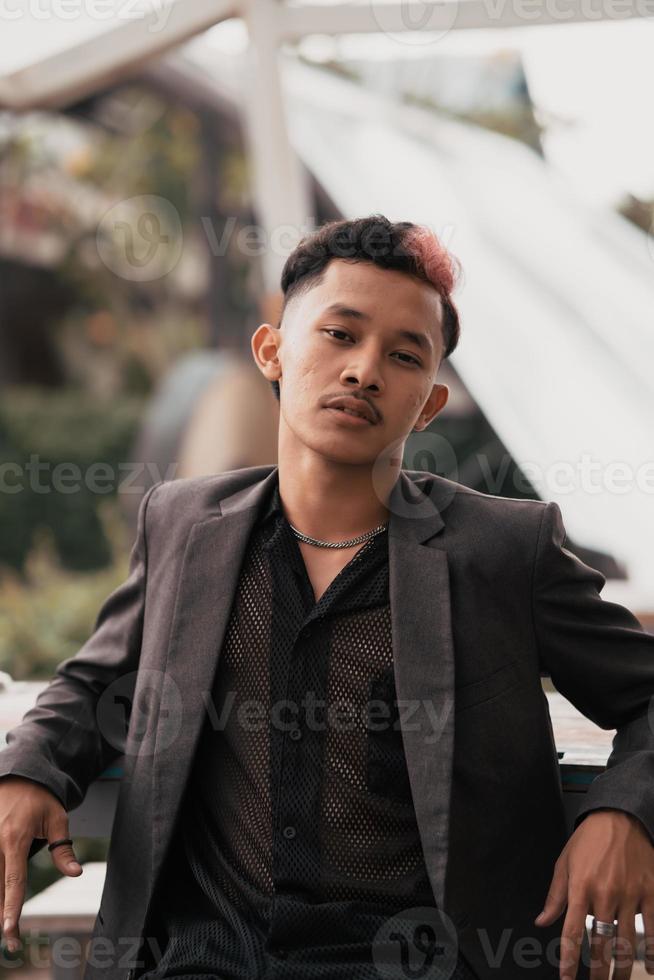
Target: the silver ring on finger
(604, 928)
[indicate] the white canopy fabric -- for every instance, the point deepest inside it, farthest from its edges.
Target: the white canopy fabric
(557, 301)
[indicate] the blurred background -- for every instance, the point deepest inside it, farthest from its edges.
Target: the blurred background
(158, 162)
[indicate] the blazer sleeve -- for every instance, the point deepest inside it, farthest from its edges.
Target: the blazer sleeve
(59, 741)
(602, 660)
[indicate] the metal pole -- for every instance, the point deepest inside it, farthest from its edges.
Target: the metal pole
(280, 186)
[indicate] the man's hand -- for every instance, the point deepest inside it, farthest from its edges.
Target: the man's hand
(606, 869)
(27, 810)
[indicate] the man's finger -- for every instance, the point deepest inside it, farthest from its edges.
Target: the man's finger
(557, 898)
(624, 950)
(15, 878)
(63, 855)
(601, 947)
(572, 935)
(647, 912)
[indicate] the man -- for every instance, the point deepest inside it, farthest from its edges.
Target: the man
(258, 833)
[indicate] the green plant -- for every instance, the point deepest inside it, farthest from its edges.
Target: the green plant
(52, 442)
(47, 613)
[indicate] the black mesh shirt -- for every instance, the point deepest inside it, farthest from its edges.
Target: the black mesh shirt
(297, 838)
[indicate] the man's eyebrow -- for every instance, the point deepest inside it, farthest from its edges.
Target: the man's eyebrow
(421, 340)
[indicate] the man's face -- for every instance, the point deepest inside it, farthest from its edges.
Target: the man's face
(325, 352)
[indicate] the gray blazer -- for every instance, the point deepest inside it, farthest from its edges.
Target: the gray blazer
(484, 597)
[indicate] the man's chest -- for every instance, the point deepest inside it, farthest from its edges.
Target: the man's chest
(323, 565)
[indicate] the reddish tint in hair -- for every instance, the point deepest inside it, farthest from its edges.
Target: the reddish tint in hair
(402, 246)
(439, 267)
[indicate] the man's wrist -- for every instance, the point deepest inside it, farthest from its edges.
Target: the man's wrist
(621, 815)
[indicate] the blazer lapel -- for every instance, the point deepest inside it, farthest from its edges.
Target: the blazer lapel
(208, 579)
(423, 656)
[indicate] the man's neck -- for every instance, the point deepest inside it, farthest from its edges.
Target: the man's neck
(332, 502)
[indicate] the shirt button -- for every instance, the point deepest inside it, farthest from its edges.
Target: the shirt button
(289, 832)
(295, 734)
(280, 952)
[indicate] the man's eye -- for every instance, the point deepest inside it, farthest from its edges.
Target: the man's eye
(412, 359)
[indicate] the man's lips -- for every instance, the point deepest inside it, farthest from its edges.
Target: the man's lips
(352, 406)
(347, 417)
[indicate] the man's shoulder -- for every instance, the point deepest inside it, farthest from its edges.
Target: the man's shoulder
(199, 498)
(467, 496)
(462, 505)
(208, 491)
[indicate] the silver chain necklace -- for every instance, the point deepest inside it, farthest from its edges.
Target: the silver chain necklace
(339, 544)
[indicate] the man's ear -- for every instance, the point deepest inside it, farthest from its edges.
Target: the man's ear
(265, 344)
(434, 404)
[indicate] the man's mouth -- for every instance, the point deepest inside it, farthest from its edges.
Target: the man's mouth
(349, 411)
(356, 418)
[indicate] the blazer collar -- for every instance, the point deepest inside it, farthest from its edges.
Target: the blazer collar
(415, 502)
